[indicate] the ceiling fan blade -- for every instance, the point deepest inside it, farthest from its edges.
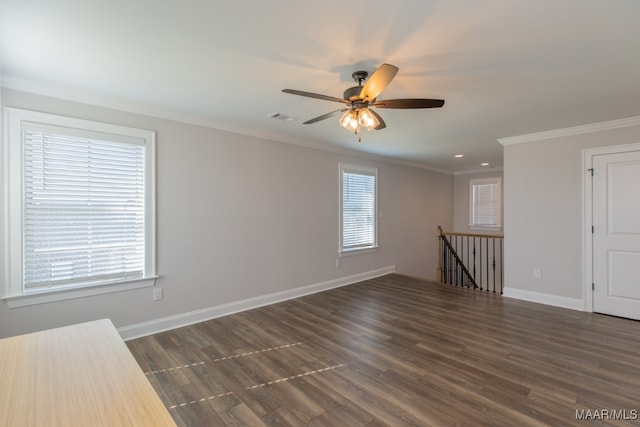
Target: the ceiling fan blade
(409, 103)
(316, 96)
(382, 124)
(324, 116)
(378, 81)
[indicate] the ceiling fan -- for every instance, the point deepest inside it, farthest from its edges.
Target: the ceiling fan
(359, 100)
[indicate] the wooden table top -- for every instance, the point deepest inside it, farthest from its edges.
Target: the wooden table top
(79, 375)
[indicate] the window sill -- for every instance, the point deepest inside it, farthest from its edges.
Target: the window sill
(46, 296)
(485, 228)
(358, 251)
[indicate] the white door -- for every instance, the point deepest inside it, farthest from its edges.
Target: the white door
(616, 234)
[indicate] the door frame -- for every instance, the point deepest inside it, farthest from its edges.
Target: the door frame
(587, 190)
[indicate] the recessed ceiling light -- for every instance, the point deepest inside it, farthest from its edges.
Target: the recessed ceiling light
(484, 164)
(458, 156)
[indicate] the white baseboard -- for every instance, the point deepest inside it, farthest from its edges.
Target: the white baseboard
(548, 299)
(184, 319)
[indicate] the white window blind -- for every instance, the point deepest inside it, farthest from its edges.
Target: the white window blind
(486, 203)
(83, 207)
(358, 208)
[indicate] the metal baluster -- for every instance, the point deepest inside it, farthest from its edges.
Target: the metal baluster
(450, 268)
(474, 259)
(501, 266)
(448, 254)
(445, 264)
(480, 263)
(465, 281)
(443, 254)
(455, 249)
(493, 246)
(466, 261)
(461, 255)
(454, 263)
(486, 243)
(460, 270)
(451, 278)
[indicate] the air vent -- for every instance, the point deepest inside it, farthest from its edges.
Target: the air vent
(282, 117)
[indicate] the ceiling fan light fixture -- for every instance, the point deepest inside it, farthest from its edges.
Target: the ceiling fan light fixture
(354, 120)
(349, 121)
(366, 119)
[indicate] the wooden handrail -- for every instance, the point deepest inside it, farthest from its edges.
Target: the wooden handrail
(452, 233)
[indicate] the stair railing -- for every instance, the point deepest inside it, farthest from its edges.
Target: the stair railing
(471, 260)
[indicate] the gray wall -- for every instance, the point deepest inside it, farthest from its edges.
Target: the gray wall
(544, 210)
(240, 217)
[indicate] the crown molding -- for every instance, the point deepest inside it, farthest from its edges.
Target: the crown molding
(114, 103)
(479, 171)
(571, 131)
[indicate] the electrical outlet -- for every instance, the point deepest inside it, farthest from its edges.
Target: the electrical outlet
(157, 294)
(537, 273)
(338, 263)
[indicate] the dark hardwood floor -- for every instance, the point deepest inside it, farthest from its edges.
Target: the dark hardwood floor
(397, 351)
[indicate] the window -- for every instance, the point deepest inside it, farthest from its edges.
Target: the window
(358, 207)
(81, 200)
(486, 203)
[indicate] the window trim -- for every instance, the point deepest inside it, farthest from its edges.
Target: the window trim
(479, 181)
(12, 167)
(349, 167)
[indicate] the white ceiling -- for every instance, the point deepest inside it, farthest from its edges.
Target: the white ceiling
(504, 67)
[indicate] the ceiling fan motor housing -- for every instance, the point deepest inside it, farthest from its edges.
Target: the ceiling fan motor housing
(353, 93)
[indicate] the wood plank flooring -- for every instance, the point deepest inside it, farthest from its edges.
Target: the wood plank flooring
(398, 351)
